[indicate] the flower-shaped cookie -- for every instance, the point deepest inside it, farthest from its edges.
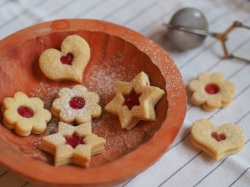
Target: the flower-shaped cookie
(134, 101)
(67, 64)
(211, 92)
(73, 144)
(217, 142)
(24, 114)
(76, 105)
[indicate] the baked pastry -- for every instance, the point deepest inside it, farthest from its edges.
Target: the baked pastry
(73, 144)
(25, 115)
(211, 91)
(217, 142)
(134, 101)
(76, 105)
(67, 64)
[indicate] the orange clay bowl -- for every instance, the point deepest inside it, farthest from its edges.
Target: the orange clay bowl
(117, 53)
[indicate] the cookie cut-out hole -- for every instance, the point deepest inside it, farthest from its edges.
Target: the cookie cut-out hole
(25, 112)
(212, 88)
(67, 59)
(77, 103)
(132, 100)
(218, 137)
(74, 140)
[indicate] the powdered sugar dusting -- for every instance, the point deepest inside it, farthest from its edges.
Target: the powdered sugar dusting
(46, 92)
(168, 68)
(103, 80)
(81, 115)
(100, 76)
(52, 126)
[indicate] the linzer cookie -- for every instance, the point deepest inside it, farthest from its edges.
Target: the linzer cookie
(76, 105)
(211, 91)
(25, 115)
(217, 142)
(67, 64)
(134, 101)
(73, 144)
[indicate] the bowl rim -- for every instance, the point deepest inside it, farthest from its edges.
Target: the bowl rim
(176, 96)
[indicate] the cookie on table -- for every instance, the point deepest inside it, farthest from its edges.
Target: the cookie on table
(76, 105)
(73, 144)
(217, 142)
(25, 115)
(67, 64)
(135, 101)
(211, 91)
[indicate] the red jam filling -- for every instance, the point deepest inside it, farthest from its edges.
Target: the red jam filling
(212, 89)
(67, 59)
(25, 112)
(77, 103)
(218, 137)
(74, 140)
(132, 100)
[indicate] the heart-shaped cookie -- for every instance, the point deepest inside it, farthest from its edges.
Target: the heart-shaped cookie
(67, 64)
(217, 142)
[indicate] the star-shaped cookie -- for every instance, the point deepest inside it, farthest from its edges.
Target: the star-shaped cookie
(73, 144)
(135, 101)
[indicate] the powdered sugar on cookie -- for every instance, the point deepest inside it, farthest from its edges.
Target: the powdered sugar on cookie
(76, 105)
(73, 144)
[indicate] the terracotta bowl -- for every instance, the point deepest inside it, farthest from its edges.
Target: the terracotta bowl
(117, 53)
